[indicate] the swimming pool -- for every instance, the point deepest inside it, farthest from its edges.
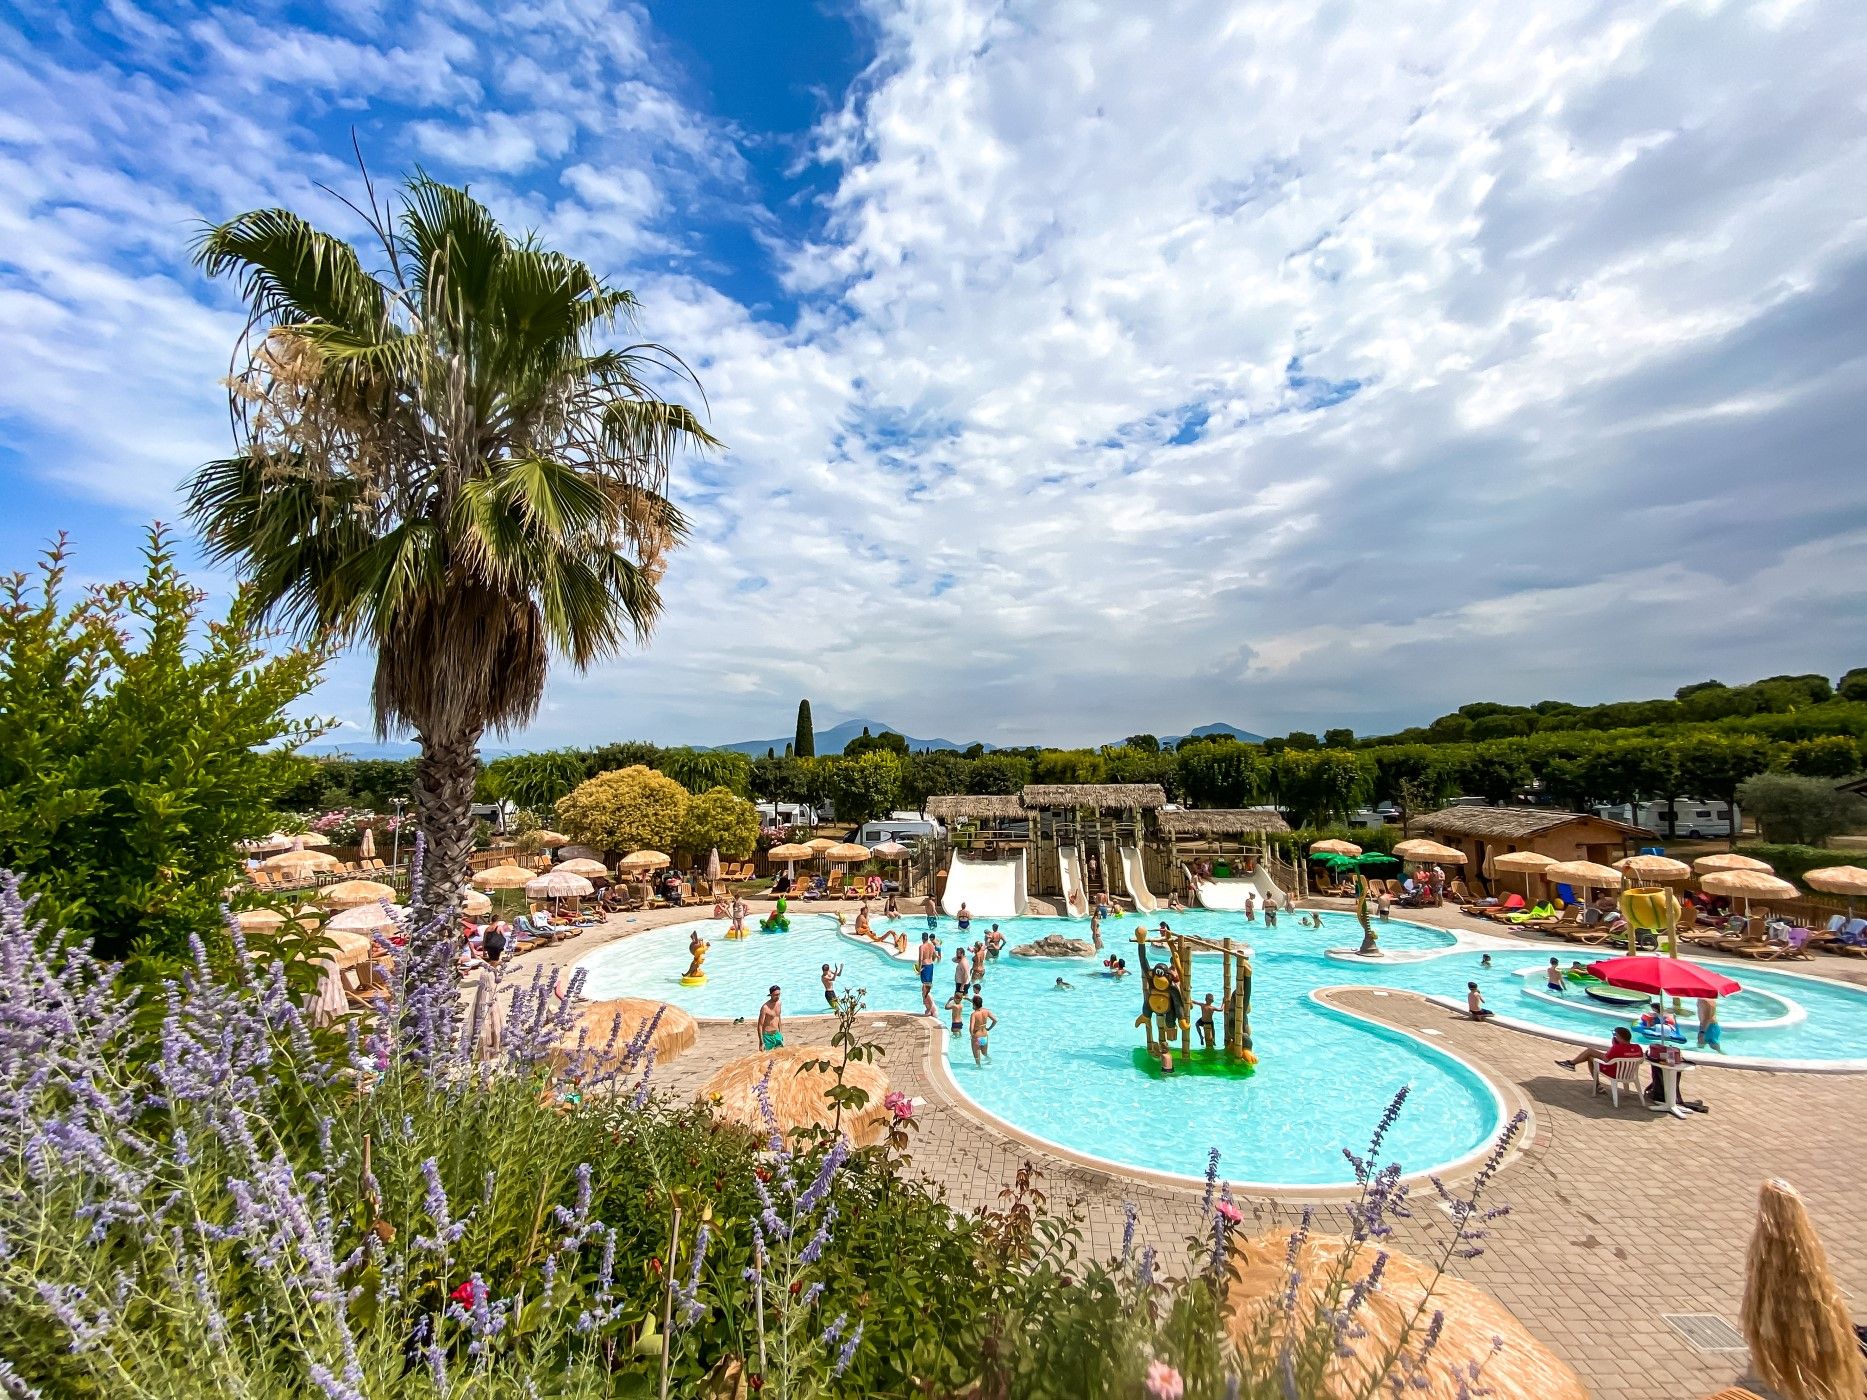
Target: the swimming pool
(1062, 1067)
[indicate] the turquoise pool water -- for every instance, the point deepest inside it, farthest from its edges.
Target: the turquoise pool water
(1062, 1059)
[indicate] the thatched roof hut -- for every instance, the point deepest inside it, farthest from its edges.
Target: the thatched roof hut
(1093, 797)
(967, 807)
(1511, 823)
(1524, 1369)
(1219, 821)
(603, 1028)
(797, 1095)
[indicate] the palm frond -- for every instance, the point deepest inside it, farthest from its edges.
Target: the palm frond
(291, 272)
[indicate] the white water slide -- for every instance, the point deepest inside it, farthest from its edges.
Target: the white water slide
(1134, 875)
(1229, 893)
(1070, 864)
(990, 889)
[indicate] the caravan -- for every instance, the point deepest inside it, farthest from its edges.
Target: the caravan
(1686, 819)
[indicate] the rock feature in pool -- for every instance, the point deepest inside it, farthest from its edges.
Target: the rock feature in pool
(1054, 945)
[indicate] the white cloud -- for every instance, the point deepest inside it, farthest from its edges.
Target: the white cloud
(1267, 364)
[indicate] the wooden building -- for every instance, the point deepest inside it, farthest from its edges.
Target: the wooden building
(1484, 832)
(1096, 820)
(1233, 839)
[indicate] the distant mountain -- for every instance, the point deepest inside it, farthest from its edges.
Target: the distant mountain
(340, 748)
(833, 739)
(1244, 736)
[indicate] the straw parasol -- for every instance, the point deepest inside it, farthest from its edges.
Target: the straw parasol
(1660, 869)
(1849, 880)
(1585, 873)
(366, 844)
(1802, 1340)
(1333, 847)
(264, 845)
(301, 862)
(503, 877)
(1524, 863)
(846, 853)
(473, 902)
(797, 1094)
(1424, 852)
(643, 860)
(348, 894)
(1473, 1322)
(559, 884)
(1748, 885)
(550, 838)
(365, 919)
(1730, 860)
(311, 840)
(578, 852)
(819, 844)
(790, 853)
(590, 1032)
(890, 850)
(259, 920)
(589, 869)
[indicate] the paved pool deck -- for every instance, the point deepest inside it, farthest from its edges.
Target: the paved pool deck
(1619, 1217)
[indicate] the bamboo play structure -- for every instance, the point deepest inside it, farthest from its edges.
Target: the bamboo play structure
(1168, 1006)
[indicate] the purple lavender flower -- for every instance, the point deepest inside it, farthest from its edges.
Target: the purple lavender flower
(1129, 1215)
(847, 1354)
(1212, 1181)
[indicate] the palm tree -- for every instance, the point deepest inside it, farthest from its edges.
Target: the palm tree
(440, 461)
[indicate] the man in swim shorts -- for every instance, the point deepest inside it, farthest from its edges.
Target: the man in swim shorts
(927, 958)
(982, 1023)
(1204, 1023)
(931, 910)
(962, 971)
(1475, 1003)
(1552, 978)
(830, 974)
(771, 1022)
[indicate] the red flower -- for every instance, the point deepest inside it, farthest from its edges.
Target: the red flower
(762, 1173)
(797, 1287)
(463, 1294)
(756, 1380)
(654, 1263)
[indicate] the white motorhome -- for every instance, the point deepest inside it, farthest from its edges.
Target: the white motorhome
(1688, 818)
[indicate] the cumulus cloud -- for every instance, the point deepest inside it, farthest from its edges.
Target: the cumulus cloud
(1275, 364)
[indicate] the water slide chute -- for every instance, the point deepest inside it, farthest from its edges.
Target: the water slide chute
(990, 889)
(1070, 866)
(1134, 875)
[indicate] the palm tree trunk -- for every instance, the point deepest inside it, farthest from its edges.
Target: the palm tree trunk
(445, 775)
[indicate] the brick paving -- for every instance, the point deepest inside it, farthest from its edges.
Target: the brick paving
(1618, 1217)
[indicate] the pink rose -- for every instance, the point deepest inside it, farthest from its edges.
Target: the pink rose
(1228, 1212)
(1163, 1382)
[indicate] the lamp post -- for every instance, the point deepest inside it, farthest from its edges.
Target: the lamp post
(395, 856)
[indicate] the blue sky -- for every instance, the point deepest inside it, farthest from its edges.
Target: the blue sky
(1082, 370)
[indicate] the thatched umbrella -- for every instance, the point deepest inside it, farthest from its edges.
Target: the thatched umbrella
(366, 844)
(1748, 885)
(579, 852)
(1660, 870)
(1523, 1369)
(558, 884)
(790, 853)
(1585, 873)
(643, 861)
(1333, 847)
(589, 869)
(301, 862)
(310, 840)
(348, 949)
(550, 838)
(590, 1033)
(1802, 1340)
(365, 919)
(820, 844)
(1423, 852)
(347, 894)
(1849, 880)
(259, 920)
(1731, 860)
(265, 845)
(797, 1096)
(846, 853)
(1524, 863)
(503, 877)
(473, 902)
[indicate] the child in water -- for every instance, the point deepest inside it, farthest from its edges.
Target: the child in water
(956, 1005)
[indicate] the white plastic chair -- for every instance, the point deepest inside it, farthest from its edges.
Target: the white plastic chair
(1627, 1076)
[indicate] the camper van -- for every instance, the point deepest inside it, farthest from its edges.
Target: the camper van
(906, 829)
(1688, 818)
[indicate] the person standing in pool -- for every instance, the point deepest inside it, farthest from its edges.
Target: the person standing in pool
(931, 910)
(962, 971)
(978, 962)
(983, 1023)
(830, 974)
(1710, 1033)
(771, 1022)
(1251, 908)
(1095, 931)
(956, 1004)
(1270, 913)
(964, 917)
(1552, 978)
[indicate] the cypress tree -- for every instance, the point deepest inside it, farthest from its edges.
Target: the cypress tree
(805, 745)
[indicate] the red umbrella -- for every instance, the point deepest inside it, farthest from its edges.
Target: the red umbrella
(1667, 977)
